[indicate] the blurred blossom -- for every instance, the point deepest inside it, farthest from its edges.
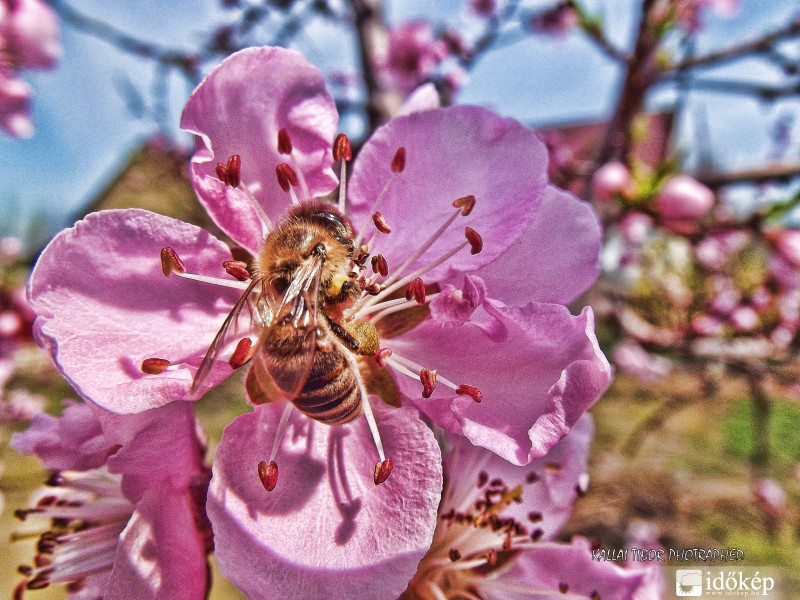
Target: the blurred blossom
(635, 227)
(634, 360)
(10, 249)
(744, 319)
(714, 251)
(484, 8)
(788, 244)
(611, 180)
(19, 405)
(413, 53)
(689, 13)
(29, 39)
(557, 21)
(683, 197)
(772, 497)
(707, 325)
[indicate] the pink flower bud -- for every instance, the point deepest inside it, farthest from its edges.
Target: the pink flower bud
(683, 197)
(613, 179)
(707, 325)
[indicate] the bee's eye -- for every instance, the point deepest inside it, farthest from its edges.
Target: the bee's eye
(280, 285)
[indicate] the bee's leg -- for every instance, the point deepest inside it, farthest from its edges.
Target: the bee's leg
(268, 472)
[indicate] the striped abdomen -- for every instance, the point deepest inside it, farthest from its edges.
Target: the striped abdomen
(331, 393)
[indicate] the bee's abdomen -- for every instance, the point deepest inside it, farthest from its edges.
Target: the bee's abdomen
(331, 393)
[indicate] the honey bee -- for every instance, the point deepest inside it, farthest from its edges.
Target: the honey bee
(305, 280)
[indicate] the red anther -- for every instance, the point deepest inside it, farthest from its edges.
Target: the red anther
(416, 291)
(222, 172)
(471, 391)
(233, 170)
(171, 262)
(268, 473)
(474, 239)
(563, 588)
(373, 289)
(537, 534)
(399, 160)
(380, 223)
(454, 554)
(154, 366)
(241, 354)
(382, 471)
(362, 282)
(286, 176)
(341, 148)
(284, 141)
(428, 379)
(236, 269)
(535, 517)
(381, 355)
(379, 265)
(466, 204)
(491, 557)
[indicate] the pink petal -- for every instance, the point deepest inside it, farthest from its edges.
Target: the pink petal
(425, 97)
(104, 306)
(549, 565)
(451, 153)
(145, 439)
(74, 440)
(326, 526)
(538, 367)
(555, 260)
(161, 556)
(238, 109)
(33, 34)
(550, 484)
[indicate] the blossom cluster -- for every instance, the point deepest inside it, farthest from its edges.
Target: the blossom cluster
(29, 39)
(456, 338)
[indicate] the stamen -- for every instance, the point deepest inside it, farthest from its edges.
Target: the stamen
(255, 204)
(466, 204)
(563, 588)
(428, 379)
(471, 391)
(242, 353)
(382, 471)
(416, 291)
(154, 366)
(237, 269)
(381, 355)
(379, 265)
(491, 557)
(474, 239)
(287, 178)
(399, 160)
(238, 285)
(454, 554)
(233, 171)
(268, 473)
(380, 223)
(342, 149)
(171, 262)
(284, 141)
(222, 172)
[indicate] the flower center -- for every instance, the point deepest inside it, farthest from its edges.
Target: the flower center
(87, 513)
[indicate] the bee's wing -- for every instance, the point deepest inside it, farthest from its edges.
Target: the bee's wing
(286, 351)
(221, 339)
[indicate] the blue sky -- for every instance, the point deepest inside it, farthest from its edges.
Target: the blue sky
(84, 128)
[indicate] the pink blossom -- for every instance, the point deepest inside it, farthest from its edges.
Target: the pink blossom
(744, 319)
(19, 405)
(714, 251)
(125, 522)
(631, 358)
(29, 39)
(689, 13)
(497, 521)
(771, 495)
(682, 197)
(500, 323)
(635, 227)
(611, 180)
(412, 54)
